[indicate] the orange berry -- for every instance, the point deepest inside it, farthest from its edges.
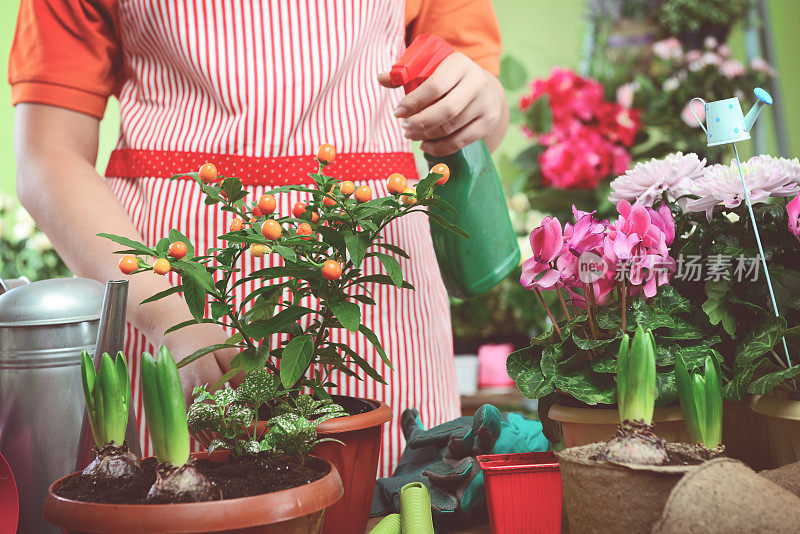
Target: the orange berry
(396, 183)
(299, 209)
(267, 204)
(326, 153)
(331, 270)
(258, 250)
(161, 266)
(348, 188)
(328, 201)
(409, 200)
(208, 172)
(128, 264)
(236, 224)
(178, 250)
(304, 229)
(314, 216)
(271, 229)
(363, 193)
(444, 170)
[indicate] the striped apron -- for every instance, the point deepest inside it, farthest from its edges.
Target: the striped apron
(255, 86)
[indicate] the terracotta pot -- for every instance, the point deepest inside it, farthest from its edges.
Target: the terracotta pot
(581, 426)
(609, 497)
(298, 510)
(782, 419)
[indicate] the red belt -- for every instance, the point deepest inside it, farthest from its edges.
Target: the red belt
(252, 170)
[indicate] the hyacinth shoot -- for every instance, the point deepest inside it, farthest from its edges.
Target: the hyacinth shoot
(636, 378)
(700, 396)
(107, 396)
(164, 408)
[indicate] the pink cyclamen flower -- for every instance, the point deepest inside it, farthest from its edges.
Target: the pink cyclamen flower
(669, 48)
(793, 211)
(732, 68)
(547, 242)
(651, 180)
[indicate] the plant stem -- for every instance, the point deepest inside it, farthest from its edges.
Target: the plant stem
(624, 304)
(563, 304)
(588, 293)
(549, 313)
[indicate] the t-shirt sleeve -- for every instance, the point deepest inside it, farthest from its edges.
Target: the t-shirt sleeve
(470, 26)
(66, 53)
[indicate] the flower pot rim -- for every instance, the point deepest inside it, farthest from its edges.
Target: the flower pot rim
(777, 407)
(376, 417)
(586, 452)
(537, 462)
(571, 414)
(213, 516)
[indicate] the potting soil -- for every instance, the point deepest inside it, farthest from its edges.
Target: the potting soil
(241, 476)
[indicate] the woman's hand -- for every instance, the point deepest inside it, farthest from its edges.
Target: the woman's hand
(459, 104)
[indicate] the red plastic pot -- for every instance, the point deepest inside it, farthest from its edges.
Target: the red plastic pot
(297, 510)
(9, 498)
(523, 492)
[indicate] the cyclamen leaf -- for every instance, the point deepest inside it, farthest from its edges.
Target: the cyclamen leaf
(528, 376)
(760, 340)
(736, 388)
(765, 384)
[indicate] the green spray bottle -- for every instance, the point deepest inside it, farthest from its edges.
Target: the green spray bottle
(471, 266)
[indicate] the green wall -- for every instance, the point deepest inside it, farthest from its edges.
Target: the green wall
(540, 33)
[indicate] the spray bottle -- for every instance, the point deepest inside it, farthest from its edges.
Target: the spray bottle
(469, 266)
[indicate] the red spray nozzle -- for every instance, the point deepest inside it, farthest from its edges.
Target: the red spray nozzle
(419, 61)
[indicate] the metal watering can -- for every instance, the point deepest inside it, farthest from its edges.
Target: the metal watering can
(725, 122)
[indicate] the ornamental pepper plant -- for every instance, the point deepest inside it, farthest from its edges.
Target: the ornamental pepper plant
(323, 244)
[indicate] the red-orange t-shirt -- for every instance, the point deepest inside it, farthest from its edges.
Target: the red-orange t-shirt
(67, 53)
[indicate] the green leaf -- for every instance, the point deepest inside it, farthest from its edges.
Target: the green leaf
(381, 279)
(392, 267)
(760, 340)
(139, 248)
(649, 317)
(356, 247)
(715, 307)
(447, 225)
(766, 383)
(425, 185)
(348, 313)
(666, 389)
(538, 116)
(587, 387)
(737, 387)
(376, 343)
(196, 272)
(296, 358)
(277, 323)
(251, 358)
(202, 352)
(285, 253)
(361, 363)
(161, 294)
(589, 344)
(393, 248)
(195, 296)
(512, 74)
(528, 375)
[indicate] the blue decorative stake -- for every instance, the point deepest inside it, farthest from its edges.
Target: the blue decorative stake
(725, 123)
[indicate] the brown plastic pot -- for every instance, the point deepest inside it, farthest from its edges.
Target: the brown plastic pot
(582, 426)
(782, 420)
(356, 461)
(298, 510)
(610, 497)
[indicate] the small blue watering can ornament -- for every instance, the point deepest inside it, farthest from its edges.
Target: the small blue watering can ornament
(725, 123)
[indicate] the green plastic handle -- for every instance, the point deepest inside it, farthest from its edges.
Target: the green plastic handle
(388, 525)
(415, 509)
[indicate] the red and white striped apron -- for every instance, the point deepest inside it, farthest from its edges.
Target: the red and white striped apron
(255, 86)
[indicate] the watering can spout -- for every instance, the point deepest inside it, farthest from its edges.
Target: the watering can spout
(762, 97)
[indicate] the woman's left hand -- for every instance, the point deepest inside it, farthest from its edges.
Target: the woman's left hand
(460, 103)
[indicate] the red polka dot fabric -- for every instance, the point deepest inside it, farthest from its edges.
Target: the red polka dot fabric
(258, 171)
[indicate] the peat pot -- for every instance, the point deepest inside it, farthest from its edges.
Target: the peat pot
(581, 426)
(44, 326)
(608, 497)
(298, 510)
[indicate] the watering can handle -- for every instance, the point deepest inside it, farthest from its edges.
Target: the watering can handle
(691, 108)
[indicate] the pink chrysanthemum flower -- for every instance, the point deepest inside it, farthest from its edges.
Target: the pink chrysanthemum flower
(648, 181)
(765, 177)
